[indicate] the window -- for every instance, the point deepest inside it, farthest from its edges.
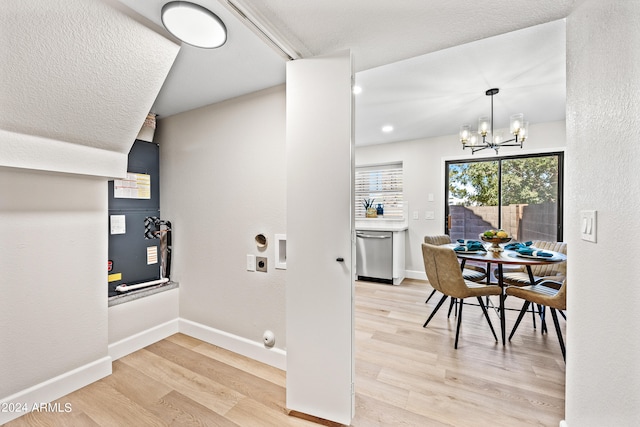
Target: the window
(519, 194)
(383, 184)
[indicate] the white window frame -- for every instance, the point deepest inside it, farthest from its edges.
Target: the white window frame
(384, 184)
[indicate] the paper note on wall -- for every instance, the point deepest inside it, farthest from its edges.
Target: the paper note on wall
(118, 224)
(152, 255)
(134, 186)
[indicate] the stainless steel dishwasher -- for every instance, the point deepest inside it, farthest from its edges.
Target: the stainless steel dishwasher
(374, 255)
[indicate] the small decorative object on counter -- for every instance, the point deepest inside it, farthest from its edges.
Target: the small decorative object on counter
(371, 212)
(495, 237)
(380, 210)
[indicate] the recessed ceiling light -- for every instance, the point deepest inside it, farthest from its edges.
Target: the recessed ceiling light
(194, 24)
(387, 128)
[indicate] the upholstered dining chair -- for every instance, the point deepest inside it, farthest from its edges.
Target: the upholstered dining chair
(470, 272)
(444, 274)
(518, 276)
(547, 293)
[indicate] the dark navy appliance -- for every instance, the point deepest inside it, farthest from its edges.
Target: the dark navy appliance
(139, 241)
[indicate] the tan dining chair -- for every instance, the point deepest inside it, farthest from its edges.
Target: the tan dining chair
(518, 276)
(444, 274)
(547, 293)
(470, 272)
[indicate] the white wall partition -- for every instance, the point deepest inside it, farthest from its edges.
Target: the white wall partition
(319, 230)
(603, 159)
(53, 309)
(222, 182)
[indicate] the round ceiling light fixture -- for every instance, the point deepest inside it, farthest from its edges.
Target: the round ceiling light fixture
(194, 24)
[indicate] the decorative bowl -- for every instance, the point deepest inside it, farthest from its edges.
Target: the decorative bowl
(495, 242)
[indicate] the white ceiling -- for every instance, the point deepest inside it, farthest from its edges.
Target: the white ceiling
(424, 65)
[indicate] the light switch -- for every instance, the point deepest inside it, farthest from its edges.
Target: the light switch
(588, 225)
(416, 215)
(430, 197)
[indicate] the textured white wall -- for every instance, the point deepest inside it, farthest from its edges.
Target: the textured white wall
(603, 118)
(53, 310)
(223, 181)
(78, 79)
(423, 164)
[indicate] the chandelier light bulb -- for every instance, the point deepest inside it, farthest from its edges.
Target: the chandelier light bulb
(524, 130)
(484, 126)
(465, 133)
(517, 121)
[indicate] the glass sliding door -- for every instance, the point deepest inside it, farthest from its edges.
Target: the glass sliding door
(529, 198)
(519, 194)
(473, 198)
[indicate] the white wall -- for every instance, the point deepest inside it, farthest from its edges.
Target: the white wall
(53, 309)
(223, 181)
(423, 164)
(603, 156)
(138, 323)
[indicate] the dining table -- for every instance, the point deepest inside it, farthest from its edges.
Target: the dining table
(501, 257)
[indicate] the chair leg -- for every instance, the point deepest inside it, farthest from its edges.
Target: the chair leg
(486, 315)
(442, 300)
(525, 306)
(430, 295)
(455, 345)
(454, 301)
(543, 318)
(533, 315)
(562, 314)
(559, 333)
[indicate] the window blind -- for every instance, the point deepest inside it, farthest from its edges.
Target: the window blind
(383, 183)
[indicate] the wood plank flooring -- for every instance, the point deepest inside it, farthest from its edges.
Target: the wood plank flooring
(406, 375)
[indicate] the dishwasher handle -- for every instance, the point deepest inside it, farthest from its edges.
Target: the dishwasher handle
(371, 236)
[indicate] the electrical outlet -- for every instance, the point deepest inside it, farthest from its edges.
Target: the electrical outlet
(261, 264)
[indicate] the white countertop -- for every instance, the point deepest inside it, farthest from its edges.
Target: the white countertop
(381, 224)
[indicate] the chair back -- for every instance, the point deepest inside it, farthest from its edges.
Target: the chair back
(550, 269)
(443, 270)
(438, 239)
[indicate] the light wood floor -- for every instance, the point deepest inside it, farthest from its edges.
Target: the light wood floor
(405, 375)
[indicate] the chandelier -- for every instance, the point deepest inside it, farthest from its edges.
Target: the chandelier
(518, 128)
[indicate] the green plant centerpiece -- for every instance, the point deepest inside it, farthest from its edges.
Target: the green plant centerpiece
(369, 208)
(495, 237)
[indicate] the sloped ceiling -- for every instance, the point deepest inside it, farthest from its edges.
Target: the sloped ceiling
(78, 79)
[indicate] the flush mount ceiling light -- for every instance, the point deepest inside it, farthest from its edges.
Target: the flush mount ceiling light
(194, 24)
(518, 128)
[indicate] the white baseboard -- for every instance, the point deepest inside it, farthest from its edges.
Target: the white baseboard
(55, 388)
(252, 349)
(563, 423)
(418, 275)
(142, 339)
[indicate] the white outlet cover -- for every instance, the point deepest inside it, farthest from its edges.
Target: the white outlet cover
(251, 263)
